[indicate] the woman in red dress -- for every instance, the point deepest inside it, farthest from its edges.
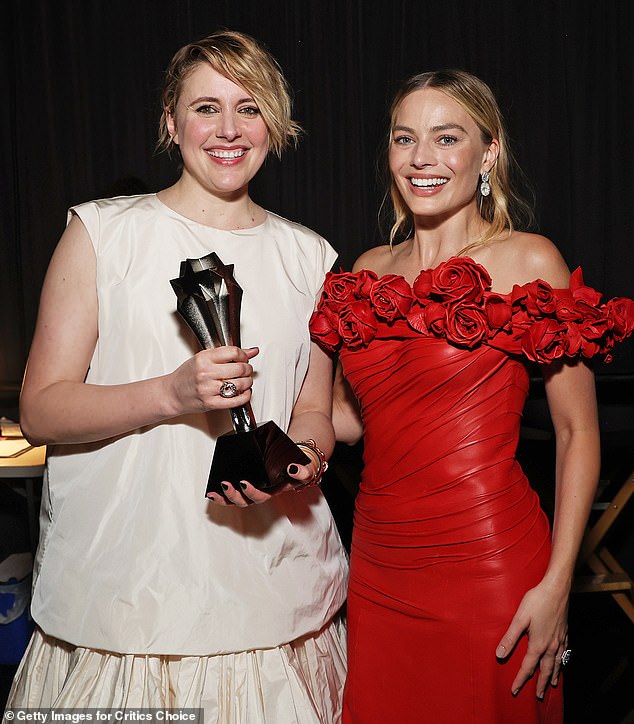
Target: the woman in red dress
(458, 598)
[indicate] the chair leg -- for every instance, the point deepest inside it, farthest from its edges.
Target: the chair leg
(596, 534)
(610, 565)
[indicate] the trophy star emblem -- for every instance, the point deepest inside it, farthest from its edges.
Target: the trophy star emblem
(217, 295)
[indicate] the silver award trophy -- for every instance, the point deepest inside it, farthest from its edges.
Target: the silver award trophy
(209, 300)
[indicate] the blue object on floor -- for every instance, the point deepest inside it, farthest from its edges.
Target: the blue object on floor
(16, 624)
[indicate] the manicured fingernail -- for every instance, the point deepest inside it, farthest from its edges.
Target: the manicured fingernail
(500, 652)
(540, 695)
(243, 486)
(516, 692)
(224, 486)
(555, 681)
(293, 469)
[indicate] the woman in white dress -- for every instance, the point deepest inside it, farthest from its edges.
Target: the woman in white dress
(146, 594)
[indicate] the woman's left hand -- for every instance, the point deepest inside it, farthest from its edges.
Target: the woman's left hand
(310, 420)
(543, 616)
(248, 494)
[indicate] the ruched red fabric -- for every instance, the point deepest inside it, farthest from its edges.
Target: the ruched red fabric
(448, 534)
(448, 537)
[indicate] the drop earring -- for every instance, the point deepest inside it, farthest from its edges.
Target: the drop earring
(485, 187)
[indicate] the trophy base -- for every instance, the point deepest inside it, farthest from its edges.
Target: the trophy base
(260, 456)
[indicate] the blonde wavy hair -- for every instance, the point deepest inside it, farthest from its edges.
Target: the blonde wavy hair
(246, 62)
(504, 208)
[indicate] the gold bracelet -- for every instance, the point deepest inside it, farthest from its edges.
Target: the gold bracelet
(310, 447)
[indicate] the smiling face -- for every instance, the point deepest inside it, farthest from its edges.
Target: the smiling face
(222, 136)
(437, 154)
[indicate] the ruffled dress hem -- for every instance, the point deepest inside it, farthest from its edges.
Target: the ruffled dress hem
(297, 683)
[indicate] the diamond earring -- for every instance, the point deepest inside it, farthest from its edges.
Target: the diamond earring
(485, 187)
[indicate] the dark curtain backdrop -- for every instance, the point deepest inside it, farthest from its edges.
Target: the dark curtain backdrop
(79, 83)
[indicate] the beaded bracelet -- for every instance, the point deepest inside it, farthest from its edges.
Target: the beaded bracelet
(310, 447)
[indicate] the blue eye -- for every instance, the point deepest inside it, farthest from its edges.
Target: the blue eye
(447, 140)
(403, 140)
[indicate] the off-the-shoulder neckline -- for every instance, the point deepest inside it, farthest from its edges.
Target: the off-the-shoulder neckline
(379, 277)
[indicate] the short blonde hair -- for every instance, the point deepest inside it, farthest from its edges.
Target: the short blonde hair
(246, 62)
(504, 208)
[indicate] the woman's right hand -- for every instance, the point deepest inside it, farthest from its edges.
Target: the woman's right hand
(195, 385)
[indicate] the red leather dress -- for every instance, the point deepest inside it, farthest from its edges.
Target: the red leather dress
(448, 533)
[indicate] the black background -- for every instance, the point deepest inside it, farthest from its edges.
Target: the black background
(80, 83)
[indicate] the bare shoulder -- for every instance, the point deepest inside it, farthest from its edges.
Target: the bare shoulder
(74, 241)
(377, 259)
(539, 258)
(524, 257)
(73, 264)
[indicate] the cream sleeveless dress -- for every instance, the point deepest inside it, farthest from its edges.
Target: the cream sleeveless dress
(145, 593)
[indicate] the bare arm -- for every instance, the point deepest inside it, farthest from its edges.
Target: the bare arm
(544, 609)
(57, 406)
(311, 414)
(573, 408)
(346, 418)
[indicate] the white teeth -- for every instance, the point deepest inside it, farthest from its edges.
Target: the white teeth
(425, 182)
(226, 154)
